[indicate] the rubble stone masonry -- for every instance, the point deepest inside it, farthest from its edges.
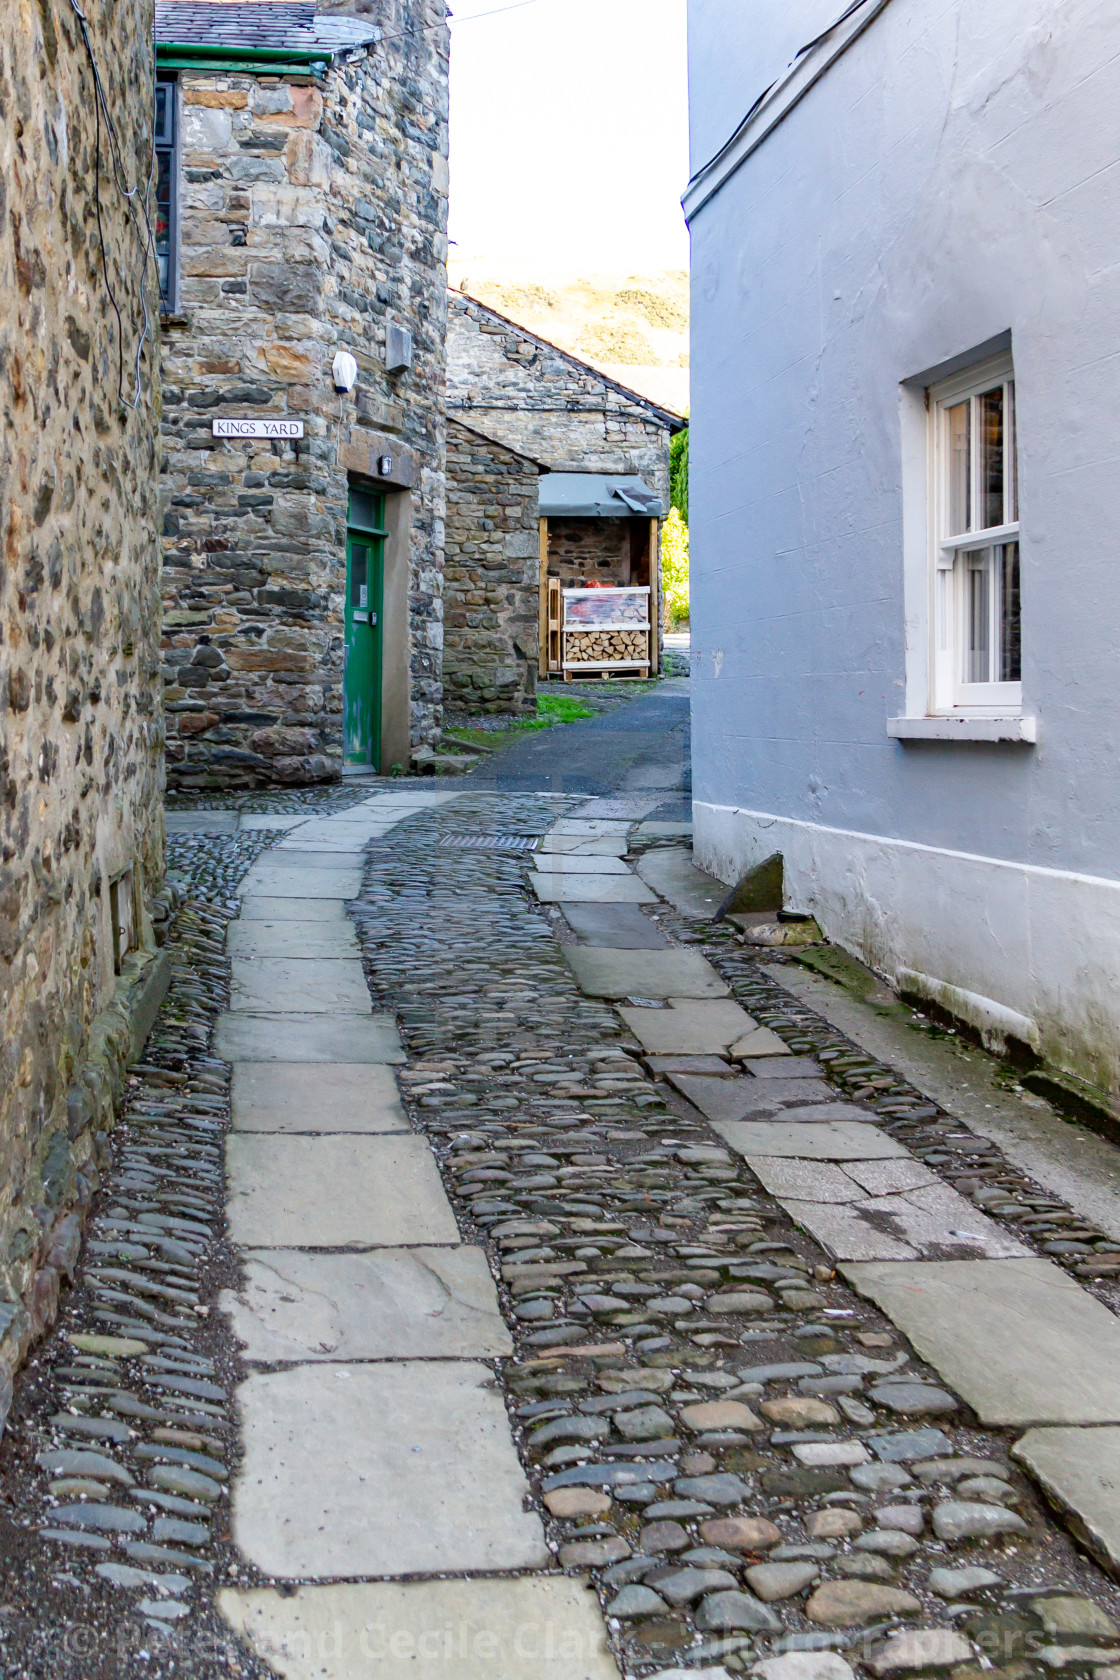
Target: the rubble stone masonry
(536, 398)
(532, 400)
(491, 569)
(313, 218)
(81, 830)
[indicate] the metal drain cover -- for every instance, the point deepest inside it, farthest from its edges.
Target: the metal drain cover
(492, 842)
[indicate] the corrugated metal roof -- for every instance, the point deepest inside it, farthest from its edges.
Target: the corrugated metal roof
(276, 25)
(598, 496)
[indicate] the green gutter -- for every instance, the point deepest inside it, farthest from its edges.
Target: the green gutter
(173, 55)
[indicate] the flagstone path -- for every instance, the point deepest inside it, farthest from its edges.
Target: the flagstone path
(599, 1308)
(731, 1512)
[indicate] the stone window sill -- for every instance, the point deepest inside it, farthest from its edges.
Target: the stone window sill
(1023, 729)
(169, 321)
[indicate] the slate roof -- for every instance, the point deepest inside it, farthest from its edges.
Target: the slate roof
(284, 25)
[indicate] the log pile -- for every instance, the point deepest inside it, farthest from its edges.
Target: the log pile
(603, 646)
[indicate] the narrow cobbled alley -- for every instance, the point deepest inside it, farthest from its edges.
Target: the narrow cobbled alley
(575, 1300)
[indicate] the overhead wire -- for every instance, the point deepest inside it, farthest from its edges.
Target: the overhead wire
(473, 17)
(800, 53)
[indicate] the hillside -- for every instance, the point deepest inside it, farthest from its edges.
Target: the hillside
(634, 327)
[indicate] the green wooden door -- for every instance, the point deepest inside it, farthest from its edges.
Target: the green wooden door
(365, 566)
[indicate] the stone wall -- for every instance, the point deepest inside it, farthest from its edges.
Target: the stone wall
(490, 651)
(581, 549)
(532, 397)
(536, 398)
(313, 217)
(80, 747)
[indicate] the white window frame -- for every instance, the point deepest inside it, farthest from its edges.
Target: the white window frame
(950, 693)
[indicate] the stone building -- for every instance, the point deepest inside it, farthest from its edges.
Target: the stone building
(80, 751)
(546, 409)
(303, 198)
(490, 573)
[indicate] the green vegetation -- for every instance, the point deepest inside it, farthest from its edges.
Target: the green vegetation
(674, 537)
(551, 709)
(562, 708)
(674, 568)
(678, 473)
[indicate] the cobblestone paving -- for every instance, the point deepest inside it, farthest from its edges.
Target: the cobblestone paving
(973, 1164)
(745, 1456)
(748, 1458)
(335, 796)
(118, 1452)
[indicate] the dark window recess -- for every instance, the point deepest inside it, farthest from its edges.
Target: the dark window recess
(359, 577)
(167, 170)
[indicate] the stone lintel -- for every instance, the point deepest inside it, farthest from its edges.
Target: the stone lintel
(365, 451)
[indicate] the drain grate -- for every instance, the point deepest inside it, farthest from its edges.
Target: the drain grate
(492, 842)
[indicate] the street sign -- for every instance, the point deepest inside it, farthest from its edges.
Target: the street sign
(258, 428)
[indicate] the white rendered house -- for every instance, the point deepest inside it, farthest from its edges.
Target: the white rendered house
(905, 497)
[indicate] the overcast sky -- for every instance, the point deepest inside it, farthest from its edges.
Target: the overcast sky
(569, 143)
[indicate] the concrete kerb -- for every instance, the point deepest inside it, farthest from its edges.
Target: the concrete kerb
(666, 973)
(1079, 1471)
(315, 1097)
(385, 1304)
(306, 1037)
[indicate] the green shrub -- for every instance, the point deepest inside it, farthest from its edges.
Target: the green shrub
(674, 568)
(678, 473)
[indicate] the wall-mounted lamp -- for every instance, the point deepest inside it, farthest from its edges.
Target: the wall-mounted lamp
(345, 371)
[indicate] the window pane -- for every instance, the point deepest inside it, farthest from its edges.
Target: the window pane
(991, 458)
(978, 586)
(960, 433)
(1010, 661)
(367, 510)
(1011, 450)
(163, 221)
(359, 577)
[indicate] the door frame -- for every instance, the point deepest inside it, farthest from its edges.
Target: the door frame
(396, 618)
(373, 537)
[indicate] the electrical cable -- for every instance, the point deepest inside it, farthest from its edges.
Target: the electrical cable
(800, 53)
(132, 196)
(474, 17)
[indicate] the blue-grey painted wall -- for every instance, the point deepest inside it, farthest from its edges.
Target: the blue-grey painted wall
(953, 176)
(735, 49)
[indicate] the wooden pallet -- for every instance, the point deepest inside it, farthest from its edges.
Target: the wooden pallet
(623, 669)
(554, 623)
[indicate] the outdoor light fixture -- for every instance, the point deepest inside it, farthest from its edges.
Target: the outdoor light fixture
(384, 465)
(345, 371)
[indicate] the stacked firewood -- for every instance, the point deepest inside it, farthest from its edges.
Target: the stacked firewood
(597, 647)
